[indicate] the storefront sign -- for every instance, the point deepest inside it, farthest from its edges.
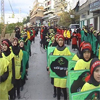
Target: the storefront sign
(95, 6)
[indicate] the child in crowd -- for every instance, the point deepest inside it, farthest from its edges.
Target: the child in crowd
(84, 62)
(93, 80)
(58, 82)
(4, 63)
(18, 55)
(25, 61)
(7, 54)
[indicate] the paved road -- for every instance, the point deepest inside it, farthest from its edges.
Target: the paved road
(38, 85)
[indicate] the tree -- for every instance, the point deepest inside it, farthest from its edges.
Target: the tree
(66, 20)
(26, 20)
(10, 27)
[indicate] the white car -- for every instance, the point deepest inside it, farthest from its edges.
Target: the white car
(73, 26)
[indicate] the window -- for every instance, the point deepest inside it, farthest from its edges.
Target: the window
(88, 12)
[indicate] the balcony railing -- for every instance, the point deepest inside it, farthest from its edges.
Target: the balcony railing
(49, 11)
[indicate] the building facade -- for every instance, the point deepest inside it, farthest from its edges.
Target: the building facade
(36, 13)
(48, 11)
(59, 7)
(58, 10)
(90, 14)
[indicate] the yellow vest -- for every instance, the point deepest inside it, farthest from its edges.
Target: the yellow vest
(58, 82)
(65, 52)
(75, 58)
(68, 34)
(3, 86)
(88, 86)
(18, 59)
(65, 34)
(9, 79)
(81, 65)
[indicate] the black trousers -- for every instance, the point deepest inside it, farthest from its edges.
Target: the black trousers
(17, 87)
(11, 94)
(59, 93)
(54, 90)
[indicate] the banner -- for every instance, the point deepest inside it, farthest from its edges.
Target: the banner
(49, 50)
(71, 65)
(93, 94)
(58, 66)
(76, 80)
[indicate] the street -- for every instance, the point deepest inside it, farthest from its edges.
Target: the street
(38, 86)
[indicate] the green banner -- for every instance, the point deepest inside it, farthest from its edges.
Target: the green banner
(71, 65)
(49, 50)
(58, 66)
(93, 94)
(76, 80)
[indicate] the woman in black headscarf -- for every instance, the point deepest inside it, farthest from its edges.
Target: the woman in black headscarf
(7, 54)
(18, 55)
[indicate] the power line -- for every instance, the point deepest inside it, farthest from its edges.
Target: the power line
(11, 6)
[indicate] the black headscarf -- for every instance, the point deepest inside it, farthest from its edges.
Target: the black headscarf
(60, 48)
(7, 41)
(0, 55)
(22, 48)
(81, 56)
(92, 80)
(55, 43)
(6, 53)
(15, 49)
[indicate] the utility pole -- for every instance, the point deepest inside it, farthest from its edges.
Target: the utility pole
(2, 12)
(2, 18)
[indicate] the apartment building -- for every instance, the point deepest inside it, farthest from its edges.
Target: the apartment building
(36, 13)
(59, 8)
(48, 10)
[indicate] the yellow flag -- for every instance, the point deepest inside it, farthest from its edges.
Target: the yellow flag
(28, 34)
(99, 53)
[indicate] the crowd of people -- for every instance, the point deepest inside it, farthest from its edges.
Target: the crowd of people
(87, 57)
(14, 57)
(14, 62)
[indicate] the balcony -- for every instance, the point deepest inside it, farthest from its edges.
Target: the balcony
(49, 11)
(47, 6)
(36, 15)
(47, 16)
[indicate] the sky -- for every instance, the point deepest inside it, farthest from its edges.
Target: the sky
(21, 8)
